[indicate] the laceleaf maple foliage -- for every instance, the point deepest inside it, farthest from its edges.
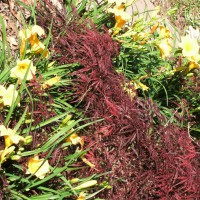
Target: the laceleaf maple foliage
(147, 157)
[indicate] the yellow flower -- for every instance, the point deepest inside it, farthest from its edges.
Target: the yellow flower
(165, 48)
(121, 16)
(19, 71)
(189, 46)
(141, 86)
(5, 154)
(31, 35)
(8, 95)
(82, 196)
(10, 136)
(75, 139)
(51, 82)
(164, 32)
(86, 185)
(193, 65)
(37, 167)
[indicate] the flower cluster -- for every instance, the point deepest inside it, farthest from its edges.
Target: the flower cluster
(12, 139)
(24, 70)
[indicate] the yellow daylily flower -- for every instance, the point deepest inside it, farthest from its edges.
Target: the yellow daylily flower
(51, 82)
(139, 85)
(82, 196)
(31, 35)
(37, 167)
(8, 95)
(10, 136)
(165, 48)
(19, 71)
(75, 139)
(190, 47)
(193, 65)
(121, 16)
(5, 154)
(164, 32)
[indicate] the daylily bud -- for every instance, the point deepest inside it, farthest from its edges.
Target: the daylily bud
(74, 180)
(64, 121)
(15, 157)
(21, 149)
(86, 185)
(28, 139)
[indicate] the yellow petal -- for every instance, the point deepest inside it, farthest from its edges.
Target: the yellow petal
(165, 48)
(24, 34)
(190, 47)
(10, 96)
(8, 141)
(2, 90)
(5, 154)
(164, 32)
(33, 39)
(37, 167)
(51, 82)
(82, 196)
(193, 65)
(121, 16)
(19, 71)
(38, 48)
(38, 30)
(10, 136)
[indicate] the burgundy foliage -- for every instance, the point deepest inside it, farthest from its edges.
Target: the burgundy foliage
(148, 157)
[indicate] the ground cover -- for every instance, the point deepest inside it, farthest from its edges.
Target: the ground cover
(98, 104)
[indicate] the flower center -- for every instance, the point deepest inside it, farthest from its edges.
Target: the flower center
(188, 47)
(22, 67)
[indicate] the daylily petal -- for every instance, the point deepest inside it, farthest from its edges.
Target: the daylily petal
(10, 136)
(10, 95)
(24, 34)
(37, 29)
(4, 154)
(165, 48)
(37, 167)
(51, 82)
(2, 90)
